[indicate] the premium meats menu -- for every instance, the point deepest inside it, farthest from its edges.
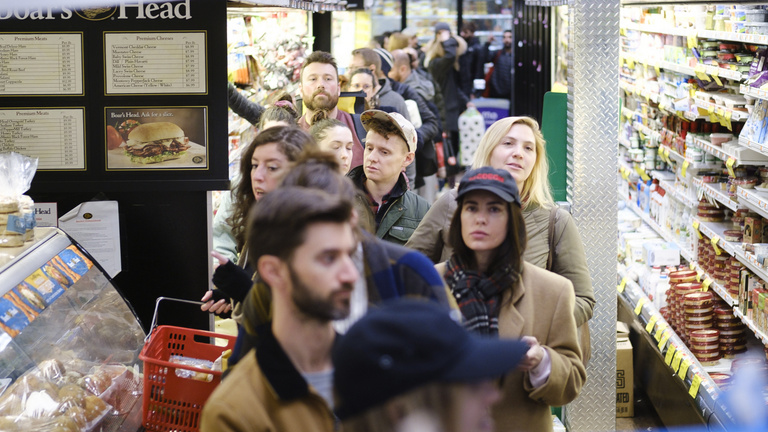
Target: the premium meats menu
(41, 64)
(55, 136)
(145, 63)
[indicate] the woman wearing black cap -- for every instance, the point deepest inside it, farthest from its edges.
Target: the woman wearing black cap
(502, 296)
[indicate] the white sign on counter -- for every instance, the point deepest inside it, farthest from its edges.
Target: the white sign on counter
(41, 64)
(96, 226)
(147, 63)
(55, 136)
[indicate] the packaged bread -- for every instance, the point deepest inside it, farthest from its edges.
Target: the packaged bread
(16, 173)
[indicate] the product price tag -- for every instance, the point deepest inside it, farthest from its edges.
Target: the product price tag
(710, 109)
(699, 274)
(666, 154)
(630, 62)
(714, 240)
(728, 116)
(705, 285)
(684, 365)
(651, 323)
(656, 68)
(622, 285)
(664, 339)
(701, 72)
(692, 265)
(625, 173)
(696, 227)
(670, 354)
(640, 170)
(729, 164)
(660, 331)
(693, 40)
(695, 383)
(715, 75)
(676, 360)
(640, 304)
(686, 164)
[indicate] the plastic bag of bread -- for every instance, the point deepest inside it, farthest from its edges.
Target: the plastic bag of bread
(16, 173)
(195, 363)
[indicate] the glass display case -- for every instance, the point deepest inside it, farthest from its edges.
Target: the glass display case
(491, 17)
(69, 343)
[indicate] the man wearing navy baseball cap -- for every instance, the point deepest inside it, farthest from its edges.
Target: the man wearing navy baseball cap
(411, 356)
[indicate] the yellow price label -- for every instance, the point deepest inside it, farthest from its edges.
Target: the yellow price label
(671, 350)
(701, 72)
(695, 383)
(714, 240)
(658, 71)
(686, 164)
(710, 109)
(729, 164)
(651, 323)
(705, 285)
(630, 63)
(693, 40)
(696, 227)
(715, 73)
(640, 170)
(625, 173)
(684, 365)
(666, 153)
(640, 303)
(664, 339)
(660, 330)
(622, 285)
(699, 274)
(728, 116)
(692, 264)
(676, 360)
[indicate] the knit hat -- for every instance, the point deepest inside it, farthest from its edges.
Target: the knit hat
(404, 344)
(442, 26)
(386, 60)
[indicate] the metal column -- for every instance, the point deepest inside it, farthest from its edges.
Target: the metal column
(592, 151)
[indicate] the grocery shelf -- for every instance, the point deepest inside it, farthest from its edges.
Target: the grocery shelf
(756, 201)
(744, 156)
(681, 159)
(677, 193)
(754, 145)
(489, 16)
(721, 110)
(705, 399)
(735, 37)
(717, 288)
(712, 229)
(715, 193)
(624, 142)
(647, 28)
(546, 2)
(753, 92)
(685, 253)
(751, 324)
(646, 130)
(433, 17)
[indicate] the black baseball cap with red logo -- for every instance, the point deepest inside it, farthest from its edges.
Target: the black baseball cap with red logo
(496, 181)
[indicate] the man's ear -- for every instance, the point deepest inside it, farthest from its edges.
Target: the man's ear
(409, 157)
(270, 269)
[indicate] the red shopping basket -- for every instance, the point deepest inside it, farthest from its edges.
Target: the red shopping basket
(171, 401)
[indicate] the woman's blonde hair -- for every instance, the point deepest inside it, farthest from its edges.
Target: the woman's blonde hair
(536, 188)
(398, 40)
(438, 400)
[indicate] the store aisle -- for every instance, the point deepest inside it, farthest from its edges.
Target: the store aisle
(645, 418)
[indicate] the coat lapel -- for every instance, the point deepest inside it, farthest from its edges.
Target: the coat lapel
(512, 324)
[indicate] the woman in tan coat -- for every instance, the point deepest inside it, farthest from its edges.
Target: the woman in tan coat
(516, 145)
(500, 295)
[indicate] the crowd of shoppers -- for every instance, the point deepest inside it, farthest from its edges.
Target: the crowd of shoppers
(359, 301)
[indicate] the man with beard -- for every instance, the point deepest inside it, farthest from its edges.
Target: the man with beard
(501, 78)
(320, 90)
(302, 243)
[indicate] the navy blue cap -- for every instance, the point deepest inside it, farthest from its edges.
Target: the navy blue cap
(407, 343)
(496, 181)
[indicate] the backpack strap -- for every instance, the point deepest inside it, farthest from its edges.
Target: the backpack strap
(359, 129)
(551, 236)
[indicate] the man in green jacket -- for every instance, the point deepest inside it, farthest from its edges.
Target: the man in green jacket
(301, 241)
(389, 148)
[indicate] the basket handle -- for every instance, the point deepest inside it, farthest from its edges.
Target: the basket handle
(157, 305)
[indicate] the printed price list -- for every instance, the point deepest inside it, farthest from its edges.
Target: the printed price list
(41, 64)
(155, 63)
(55, 136)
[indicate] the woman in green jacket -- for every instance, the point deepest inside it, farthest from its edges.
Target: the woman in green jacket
(517, 145)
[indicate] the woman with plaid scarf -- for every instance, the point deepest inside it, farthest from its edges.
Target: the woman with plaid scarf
(502, 296)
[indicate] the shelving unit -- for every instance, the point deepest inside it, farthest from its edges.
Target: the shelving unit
(716, 194)
(756, 201)
(753, 92)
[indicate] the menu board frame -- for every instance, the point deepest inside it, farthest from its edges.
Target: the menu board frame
(82, 65)
(107, 57)
(140, 114)
(83, 132)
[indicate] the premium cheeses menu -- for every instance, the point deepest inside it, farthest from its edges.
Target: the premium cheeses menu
(169, 62)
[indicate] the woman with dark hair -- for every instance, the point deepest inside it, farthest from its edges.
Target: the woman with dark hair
(362, 79)
(263, 164)
(500, 295)
(335, 137)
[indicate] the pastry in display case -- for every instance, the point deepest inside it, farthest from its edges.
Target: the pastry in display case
(69, 343)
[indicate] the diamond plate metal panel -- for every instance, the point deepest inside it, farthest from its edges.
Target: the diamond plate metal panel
(591, 189)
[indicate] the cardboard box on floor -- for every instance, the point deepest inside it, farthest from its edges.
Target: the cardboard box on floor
(625, 398)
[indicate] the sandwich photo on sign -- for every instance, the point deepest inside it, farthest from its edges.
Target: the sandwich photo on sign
(156, 138)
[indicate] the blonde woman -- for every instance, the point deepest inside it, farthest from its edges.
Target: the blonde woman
(517, 145)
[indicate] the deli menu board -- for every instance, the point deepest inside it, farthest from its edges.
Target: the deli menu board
(63, 69)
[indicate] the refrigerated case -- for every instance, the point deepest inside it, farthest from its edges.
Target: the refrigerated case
(69, 343)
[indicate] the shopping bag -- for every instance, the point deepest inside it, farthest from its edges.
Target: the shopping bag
(471, 130)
